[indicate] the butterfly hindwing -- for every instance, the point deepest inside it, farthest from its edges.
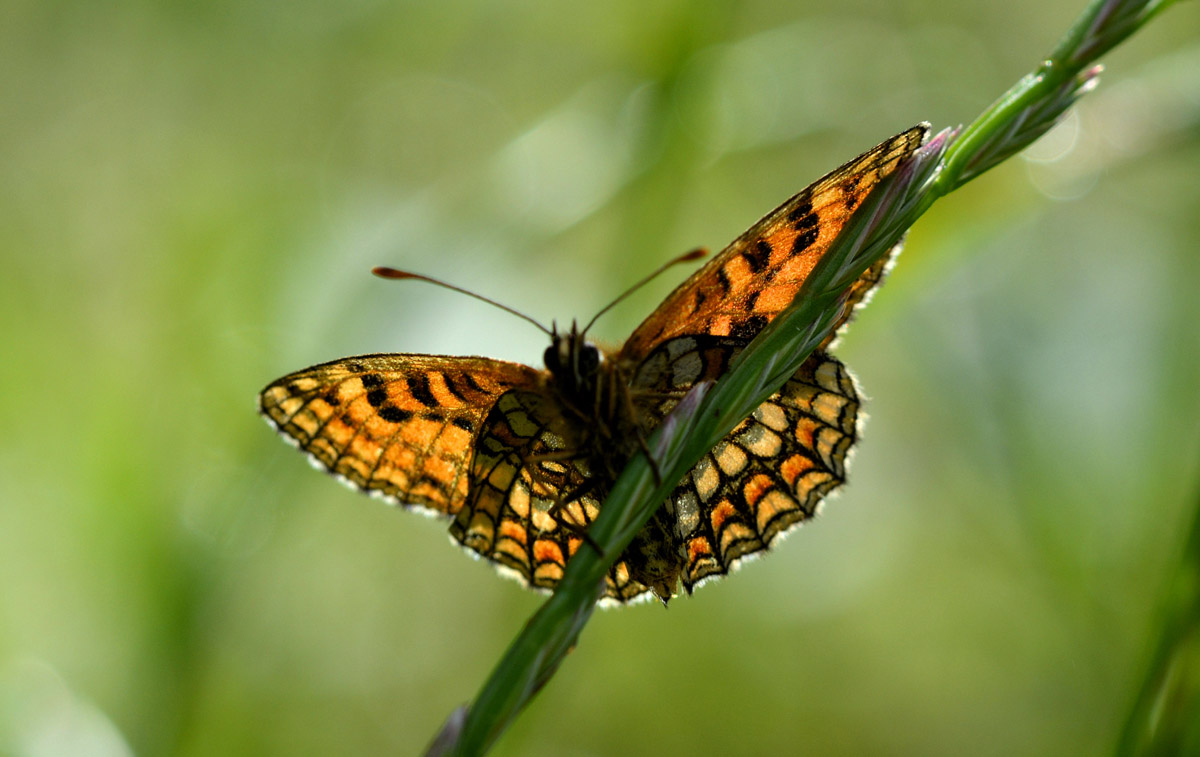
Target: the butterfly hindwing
(770, 473)
(531, 497)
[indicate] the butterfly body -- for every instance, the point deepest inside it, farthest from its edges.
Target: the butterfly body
(550, 454)
(522, 459)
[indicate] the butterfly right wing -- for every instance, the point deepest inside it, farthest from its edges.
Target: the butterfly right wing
(399, 426)
(771, 472)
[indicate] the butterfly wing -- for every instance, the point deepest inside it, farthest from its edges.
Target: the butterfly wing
(749, 282)
(771, 472)
(400, 426)
(532, 495)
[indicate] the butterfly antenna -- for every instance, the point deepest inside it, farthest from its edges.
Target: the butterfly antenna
(384, 272)
(686, 257)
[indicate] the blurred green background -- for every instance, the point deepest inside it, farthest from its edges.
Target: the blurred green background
(192, 194)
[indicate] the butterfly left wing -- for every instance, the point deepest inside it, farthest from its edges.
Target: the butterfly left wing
(400, 426)
(476, 439)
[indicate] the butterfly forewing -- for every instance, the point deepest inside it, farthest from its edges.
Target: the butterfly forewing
(749, 282)
(402, 426)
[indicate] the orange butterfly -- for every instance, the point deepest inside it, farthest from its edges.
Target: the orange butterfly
(521, 459)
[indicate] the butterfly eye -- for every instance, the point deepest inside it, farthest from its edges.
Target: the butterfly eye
(589, 359)
(550, 357)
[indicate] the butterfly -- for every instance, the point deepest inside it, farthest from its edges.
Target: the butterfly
(521, 459)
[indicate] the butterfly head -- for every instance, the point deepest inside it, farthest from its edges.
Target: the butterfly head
(574, 362)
